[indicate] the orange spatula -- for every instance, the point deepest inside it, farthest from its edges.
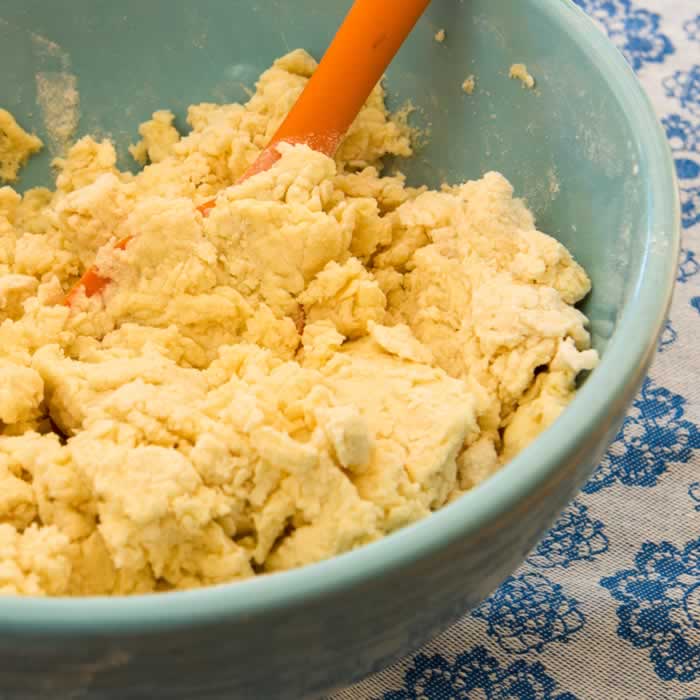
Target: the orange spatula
(360, 52)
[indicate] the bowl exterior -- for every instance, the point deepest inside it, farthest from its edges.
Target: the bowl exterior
(304, 650)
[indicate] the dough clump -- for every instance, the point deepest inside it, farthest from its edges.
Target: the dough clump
(16, 146)
(326, 357)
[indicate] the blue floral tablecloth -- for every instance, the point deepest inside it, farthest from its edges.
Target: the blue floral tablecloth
(607, 606)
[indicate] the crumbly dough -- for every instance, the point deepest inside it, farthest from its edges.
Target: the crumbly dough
(16, 146)
(328, 356)
(519, 71)
(440, 36)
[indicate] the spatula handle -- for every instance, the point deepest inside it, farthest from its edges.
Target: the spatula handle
(356, 59)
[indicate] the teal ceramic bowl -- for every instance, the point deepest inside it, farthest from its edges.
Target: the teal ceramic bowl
(586, 151)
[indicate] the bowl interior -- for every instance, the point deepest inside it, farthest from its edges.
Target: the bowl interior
(566, 145)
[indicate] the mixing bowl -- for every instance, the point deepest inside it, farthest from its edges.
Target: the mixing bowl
(585, 150)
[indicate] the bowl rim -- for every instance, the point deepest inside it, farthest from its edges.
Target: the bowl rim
(619, 374)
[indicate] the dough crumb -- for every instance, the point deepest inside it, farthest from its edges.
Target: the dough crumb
(469, 84)
(518, 71)
(440, 36)
(16, 146)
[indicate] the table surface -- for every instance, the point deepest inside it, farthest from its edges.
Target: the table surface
(607, 606)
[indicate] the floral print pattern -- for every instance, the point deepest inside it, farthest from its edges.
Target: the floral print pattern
(660, 608)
